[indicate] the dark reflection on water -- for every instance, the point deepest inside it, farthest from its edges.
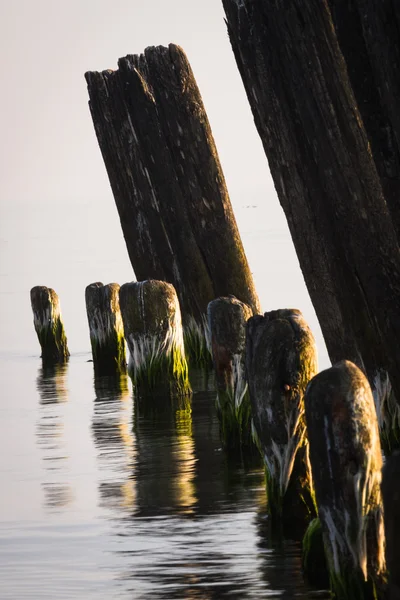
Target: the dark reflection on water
(51, 384)
(113, 437)
(186, 523)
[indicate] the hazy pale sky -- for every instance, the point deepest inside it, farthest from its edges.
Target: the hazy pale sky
(58, 222)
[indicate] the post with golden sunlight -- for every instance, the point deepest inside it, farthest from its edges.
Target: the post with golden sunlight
(391, 505)
(281, 358)
(106, 328)
(346, 461)
(153, 330)
(168, 184)
(49, 325)
(227, 319)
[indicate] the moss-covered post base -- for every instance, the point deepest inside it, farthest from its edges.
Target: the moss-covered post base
(391, 504)
(346, 461)
(314, 566)
(153, 331)
(227, 318)
(48, 324)
(106, 328)
(281, 358)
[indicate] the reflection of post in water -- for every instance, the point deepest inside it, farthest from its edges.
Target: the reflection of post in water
(51, 384)
(166, 461)
(112, 432)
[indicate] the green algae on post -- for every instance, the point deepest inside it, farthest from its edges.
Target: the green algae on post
(346, 462)
(227, 319)
(281, 358)
(48, 324)
(106, 328)
(153, 330)
(197, 344)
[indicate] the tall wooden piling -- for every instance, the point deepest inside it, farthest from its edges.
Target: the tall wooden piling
(346, 461)
(227, 318)
(106, 328)
(391, 503)
(280, 361)
(368, 35)
(307, 117)
(153, 331)
(48, 324)
(168, 183)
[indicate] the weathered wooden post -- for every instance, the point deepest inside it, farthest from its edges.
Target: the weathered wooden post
(106, 328)
(346, 461)
(227, 318)
(281, 358)
(153, 331)
(168, 183)
(48, 324)
(391, 505)
(368, 35)
(307, 117)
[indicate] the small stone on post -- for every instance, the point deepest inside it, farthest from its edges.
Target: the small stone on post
(153, 331)
(281, 358)
(106, 328)
(346, 461)
(391, 505)
(227, 318)
(48, 324)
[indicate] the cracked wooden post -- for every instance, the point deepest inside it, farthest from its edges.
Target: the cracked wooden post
(48, 324)
(106, 328)
(227, 319)
(281, 358)
(168, 184)
(391, 505)
(319, 155)
(346, 461)
(153, 331)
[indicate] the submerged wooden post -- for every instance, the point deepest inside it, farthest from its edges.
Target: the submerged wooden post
(153, 331)
(227, 319)
(168, 183)
(106, 328)
(281, 358)
(48, 324)
(391, 505)
(325, 176)
(346, 461)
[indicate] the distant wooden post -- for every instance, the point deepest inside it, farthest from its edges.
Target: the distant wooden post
(325, 176)
(153, 331)
(106, 328)
(48, 324)
(391, 504)
(168, 183)
(281, 359)
(346, 461)
(227, 319)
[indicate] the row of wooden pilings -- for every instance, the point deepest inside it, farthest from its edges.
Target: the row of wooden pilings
(318, 434)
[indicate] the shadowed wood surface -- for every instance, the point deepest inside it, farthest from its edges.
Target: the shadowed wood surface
(305, 111)
(167, 180)
(391, 504)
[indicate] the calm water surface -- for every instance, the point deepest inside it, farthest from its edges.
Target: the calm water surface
(104, 499)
